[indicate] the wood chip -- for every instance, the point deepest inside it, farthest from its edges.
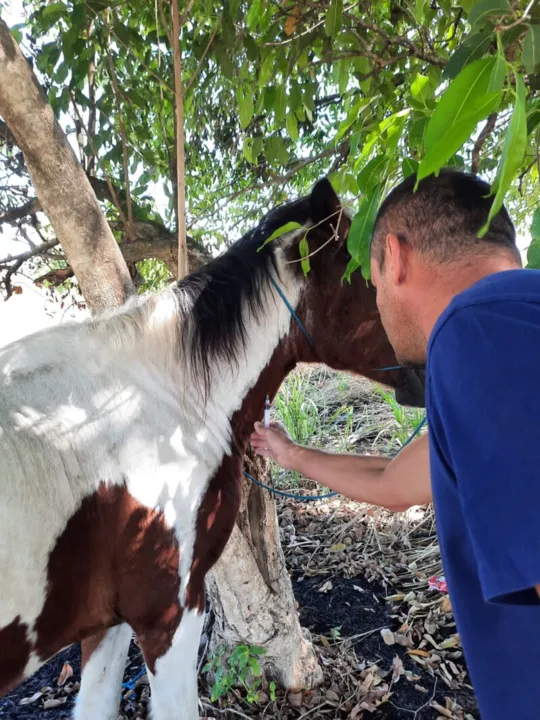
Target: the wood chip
(388, 636)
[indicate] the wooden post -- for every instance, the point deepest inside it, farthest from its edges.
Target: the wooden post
(180, 163)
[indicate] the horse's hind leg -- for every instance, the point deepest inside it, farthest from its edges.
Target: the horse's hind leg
(104, 661)
(173, 674)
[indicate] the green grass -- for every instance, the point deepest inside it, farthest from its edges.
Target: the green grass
(297, 409)
(406, 419)
(320, 408)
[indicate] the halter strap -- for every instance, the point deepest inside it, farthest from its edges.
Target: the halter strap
(305, 332)
(292, 311)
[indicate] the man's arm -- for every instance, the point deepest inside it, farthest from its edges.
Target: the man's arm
(396, 484)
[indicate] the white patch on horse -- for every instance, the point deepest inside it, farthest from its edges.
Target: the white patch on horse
(102, 676)
(33, 664)
(174, 684)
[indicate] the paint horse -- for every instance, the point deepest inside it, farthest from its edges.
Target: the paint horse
(121, 446)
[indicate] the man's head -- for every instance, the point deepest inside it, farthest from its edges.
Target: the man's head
(425, 249)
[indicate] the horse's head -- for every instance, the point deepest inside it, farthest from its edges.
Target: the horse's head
(341, 317)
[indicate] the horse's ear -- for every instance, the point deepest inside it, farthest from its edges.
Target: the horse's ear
(327, 210)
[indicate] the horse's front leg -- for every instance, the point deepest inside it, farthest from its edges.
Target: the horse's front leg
(173, 677)
(103, 664)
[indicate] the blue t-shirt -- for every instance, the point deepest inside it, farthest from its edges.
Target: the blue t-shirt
(483, 404)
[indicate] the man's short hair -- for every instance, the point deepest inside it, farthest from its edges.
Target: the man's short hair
(442, 218)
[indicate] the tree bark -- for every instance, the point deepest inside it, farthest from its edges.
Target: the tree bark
(60, 182)
(180, 164)
(251, 592)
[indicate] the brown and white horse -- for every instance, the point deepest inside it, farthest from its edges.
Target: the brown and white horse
(121, 446)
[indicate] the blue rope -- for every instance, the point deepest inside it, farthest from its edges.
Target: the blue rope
(282, 493)
(312, 498)
(292, 311)
(130, 684)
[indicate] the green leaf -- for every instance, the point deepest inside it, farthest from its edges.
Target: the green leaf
(280, 106)
(258, 650)
(303, 248)
(276, 152)
(461, 107)
(16, 31)
(484, 10)
(53, 12)
(266, 70)
(409, 166)
(292, 126)
(420, 88)
(255, 667)
(361, 230)
(283, 230)
(369, 176)
(498, 74)
(533, 251)
(533, 254)
(352, 266)
(467, 5)
(343, 76)
(254, 14)
(513, 154)
(531, 49)
(247, 149)
(61, 73)
(419, 11)
(222, 56)
(245, 107)
(473, 47)
(333, 18)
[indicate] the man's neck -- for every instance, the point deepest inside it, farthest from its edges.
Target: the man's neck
(444, 283)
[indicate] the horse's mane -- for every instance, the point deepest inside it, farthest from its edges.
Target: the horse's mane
(218, 296)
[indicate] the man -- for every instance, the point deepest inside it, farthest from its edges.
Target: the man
(466, 307)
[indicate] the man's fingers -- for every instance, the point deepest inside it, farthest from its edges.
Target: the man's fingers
(264, 452)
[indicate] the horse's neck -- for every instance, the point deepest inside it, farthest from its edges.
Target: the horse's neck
(237, 391)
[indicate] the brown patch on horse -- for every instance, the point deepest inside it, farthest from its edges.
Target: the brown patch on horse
(220, 504)
(117, 560)
(15, 652)
(215, 521)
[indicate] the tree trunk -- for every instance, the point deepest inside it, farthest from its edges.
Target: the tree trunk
(250, 588)
(60, 182)
(251, 592)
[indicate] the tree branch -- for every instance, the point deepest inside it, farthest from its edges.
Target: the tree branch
(150, 240)
(180, 164)
(402, 41)
(478, 145)
(116, 93)
(203, 56)
(30, 208)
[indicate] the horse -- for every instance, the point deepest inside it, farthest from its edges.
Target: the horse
(121, 447)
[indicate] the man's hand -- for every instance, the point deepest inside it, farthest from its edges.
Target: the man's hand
(273, 442)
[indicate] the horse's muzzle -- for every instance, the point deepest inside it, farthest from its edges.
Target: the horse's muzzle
(412, 392)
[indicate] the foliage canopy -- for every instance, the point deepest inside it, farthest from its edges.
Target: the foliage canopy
(277, 94)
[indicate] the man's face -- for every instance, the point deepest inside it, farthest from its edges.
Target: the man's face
(395, 295)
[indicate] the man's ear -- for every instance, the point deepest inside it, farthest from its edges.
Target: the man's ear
(396, 259)
(327, 211)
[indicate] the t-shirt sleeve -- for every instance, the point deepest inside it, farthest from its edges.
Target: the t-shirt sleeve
(485, 380)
